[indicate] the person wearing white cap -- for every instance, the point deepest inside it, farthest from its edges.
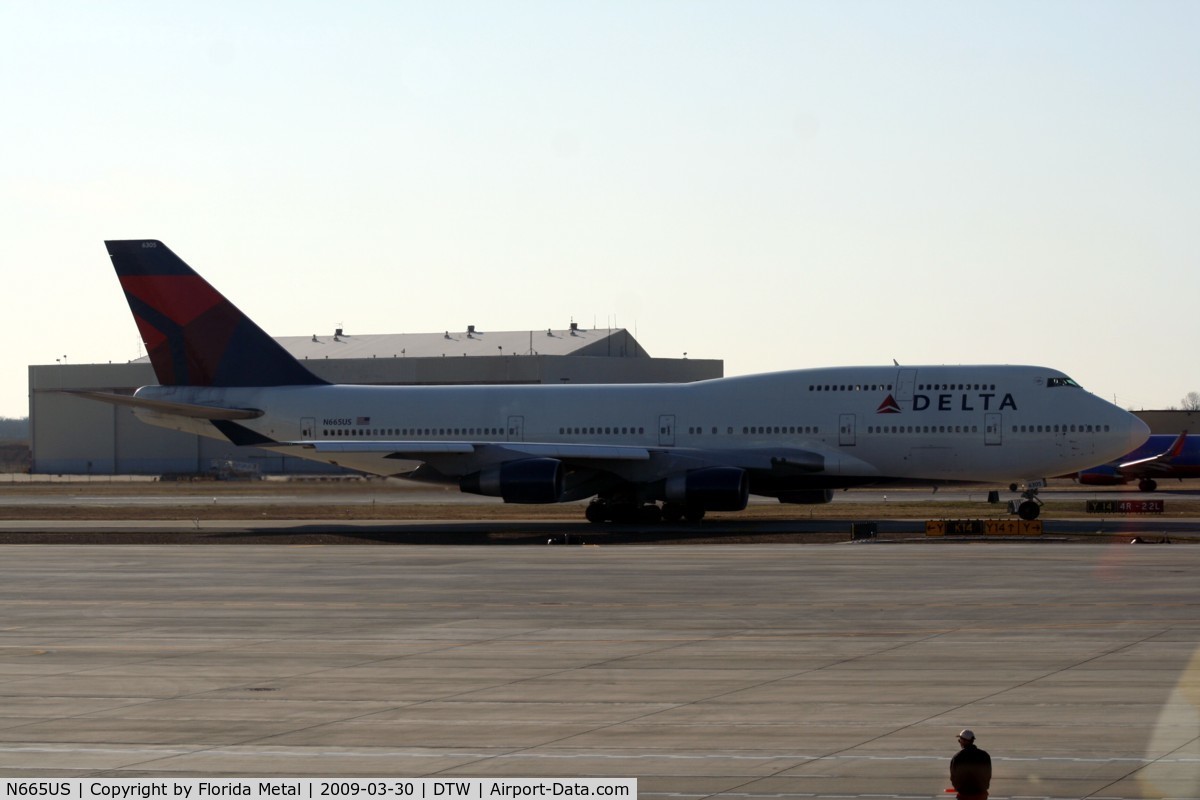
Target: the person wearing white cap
(970, 769)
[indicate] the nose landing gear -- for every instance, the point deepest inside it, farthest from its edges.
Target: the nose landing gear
(1029, 507)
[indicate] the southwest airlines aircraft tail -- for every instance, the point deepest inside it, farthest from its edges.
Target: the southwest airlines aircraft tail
(643, 452)
(1160, 457)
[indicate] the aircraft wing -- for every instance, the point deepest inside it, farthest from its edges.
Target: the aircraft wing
(1156, 464)
(622, 462)
(560, 471)
(448, 460)
(659, 459)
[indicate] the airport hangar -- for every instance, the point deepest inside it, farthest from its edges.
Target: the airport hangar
(77, 436)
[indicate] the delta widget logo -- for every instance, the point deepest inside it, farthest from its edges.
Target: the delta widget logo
(888, 406)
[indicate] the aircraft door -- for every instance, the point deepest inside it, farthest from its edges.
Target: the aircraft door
(666, 430)
(993, 429)
(308, 428)
(846, 430)
(516, 429)
(905, 382)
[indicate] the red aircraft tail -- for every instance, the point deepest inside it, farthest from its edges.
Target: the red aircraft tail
(196, 337)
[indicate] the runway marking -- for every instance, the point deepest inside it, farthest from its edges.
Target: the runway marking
(256, 752)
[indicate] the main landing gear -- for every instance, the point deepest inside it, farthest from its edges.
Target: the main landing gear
(1029, 507)
(644, 514)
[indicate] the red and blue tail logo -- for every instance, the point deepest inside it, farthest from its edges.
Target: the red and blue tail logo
(196, 337)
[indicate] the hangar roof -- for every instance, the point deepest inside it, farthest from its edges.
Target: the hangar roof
(573, 341)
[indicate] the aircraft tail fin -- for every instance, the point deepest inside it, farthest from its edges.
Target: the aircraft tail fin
(1176, 446)
(194, 335)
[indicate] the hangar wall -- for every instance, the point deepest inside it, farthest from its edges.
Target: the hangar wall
(1171, 421)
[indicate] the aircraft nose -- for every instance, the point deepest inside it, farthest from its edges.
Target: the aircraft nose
(1138, 432)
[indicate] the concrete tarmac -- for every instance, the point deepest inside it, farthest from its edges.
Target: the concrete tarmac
(761, 671)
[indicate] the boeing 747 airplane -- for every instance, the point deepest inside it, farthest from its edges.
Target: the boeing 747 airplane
(643, 452)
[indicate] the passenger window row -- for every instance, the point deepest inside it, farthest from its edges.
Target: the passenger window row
(1060, 429)
(758, 430)
(747, 430)
(957, 387)
(975, 429)
(405, 433)
(887, 387)
(852, 387)
(698, 430)
(922, 429)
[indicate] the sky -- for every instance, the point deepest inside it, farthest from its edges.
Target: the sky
(776, 184)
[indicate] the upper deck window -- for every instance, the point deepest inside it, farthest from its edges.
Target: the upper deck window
(1063, 381)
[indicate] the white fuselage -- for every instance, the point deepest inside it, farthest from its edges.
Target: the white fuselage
(979, 423)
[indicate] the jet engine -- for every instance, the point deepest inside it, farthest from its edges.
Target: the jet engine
(1101, 476)
(711, 488)
(531, 480)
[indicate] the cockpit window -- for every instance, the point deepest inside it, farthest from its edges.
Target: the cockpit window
(1063, 381)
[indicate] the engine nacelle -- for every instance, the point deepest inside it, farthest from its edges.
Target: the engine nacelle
(807, 498)
(1104, 476)
(711, 488)
(531, 480)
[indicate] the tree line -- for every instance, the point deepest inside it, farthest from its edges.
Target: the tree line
(1191, 401)
(14, 429)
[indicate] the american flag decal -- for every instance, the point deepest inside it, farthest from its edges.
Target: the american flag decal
(362, 420)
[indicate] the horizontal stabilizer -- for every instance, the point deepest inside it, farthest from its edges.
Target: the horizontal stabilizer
(189, 410)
